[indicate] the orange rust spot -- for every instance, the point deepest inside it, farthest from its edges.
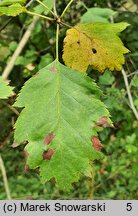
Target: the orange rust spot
(48, 154)
(48, 139)
(103, 122)
(96, 143)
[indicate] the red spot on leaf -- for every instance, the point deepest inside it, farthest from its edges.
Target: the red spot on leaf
(48, 154)
(48, 139)
(103, 122)
(53, 70)
(96, 143)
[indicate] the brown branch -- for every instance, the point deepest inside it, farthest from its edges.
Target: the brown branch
(19, 49)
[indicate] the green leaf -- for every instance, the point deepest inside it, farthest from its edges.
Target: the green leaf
(5, 90)
(61, 108)
(136, 103)
(107, 78)
(134, 81)
(97, 15)
(12, 10)
(95, 44)
(10, 2)
(45, 60)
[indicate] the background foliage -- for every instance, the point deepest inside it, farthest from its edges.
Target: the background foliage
(116, 175)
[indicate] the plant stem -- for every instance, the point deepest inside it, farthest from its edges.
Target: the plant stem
(54, 7)
(19, 49)
(66, 8)
(47, 8)
(6, 185)
(29, 3)
(64, 24)
(133, 73)
(91, 193)
(57, 38)
(39, 15)
(84, 5)
(11, 108)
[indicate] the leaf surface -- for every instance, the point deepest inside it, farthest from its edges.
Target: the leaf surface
(97, 15)
(10, 2)
(61, 108)
(5, 90)
(95, 44)
(12, 10)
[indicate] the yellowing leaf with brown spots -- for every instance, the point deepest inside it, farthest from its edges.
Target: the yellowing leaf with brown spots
(95, 44)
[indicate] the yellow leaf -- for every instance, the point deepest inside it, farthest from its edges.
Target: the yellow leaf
(95, 44)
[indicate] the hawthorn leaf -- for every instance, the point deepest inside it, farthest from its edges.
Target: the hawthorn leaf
(95, 44)
(5, 89)
(10, 2)
(61, 108)
(12, 10)
(97, 15)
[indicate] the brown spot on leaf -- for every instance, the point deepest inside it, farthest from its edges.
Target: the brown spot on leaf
(48, 139)
(96, 143)
(48, 154)
(103, 122)
(78, 42)
(53, 70)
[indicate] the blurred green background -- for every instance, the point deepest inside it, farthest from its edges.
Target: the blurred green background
(116, 176)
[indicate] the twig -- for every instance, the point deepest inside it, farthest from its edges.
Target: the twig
(10, 19)
(84, 5)
(132, 106)
(133, 73)
(19, 49)
(6, 185)
(5, 24)
(29, 3)
(39, 15)
(57, 38)
(65, 24)
(11, 108)
(91, 192)
(54, 7)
